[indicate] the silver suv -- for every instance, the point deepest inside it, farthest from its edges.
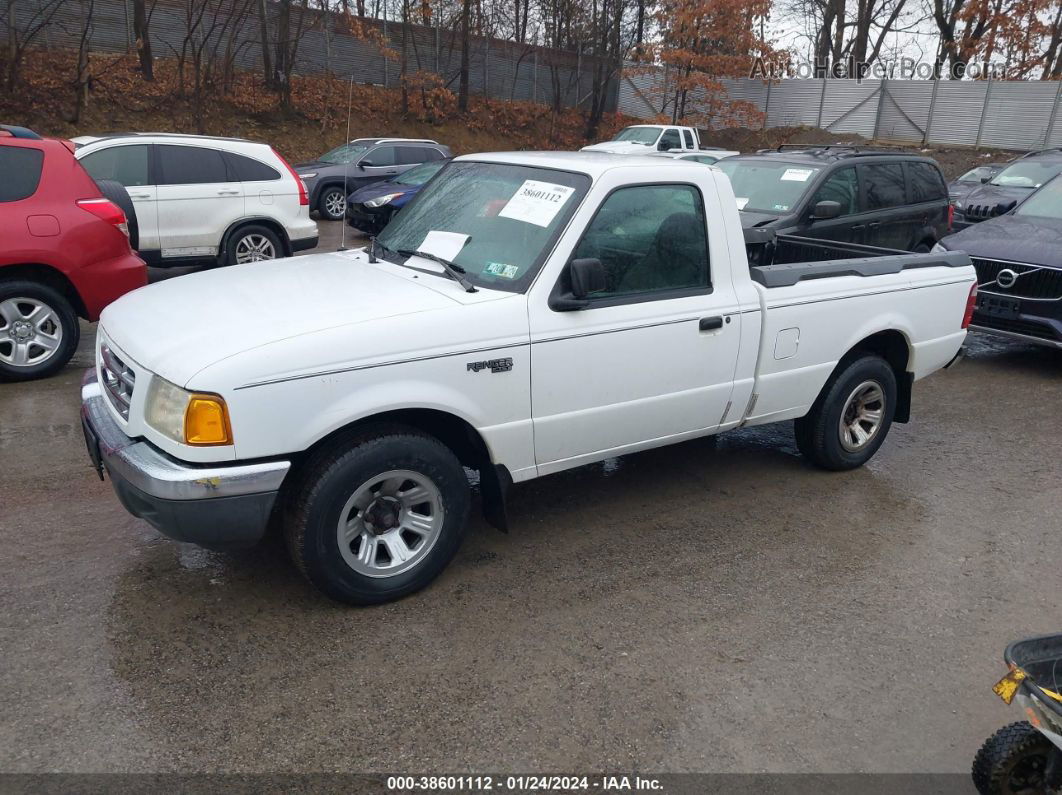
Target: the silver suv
(363, 161)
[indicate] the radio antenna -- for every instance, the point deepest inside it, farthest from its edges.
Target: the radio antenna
(346, 171)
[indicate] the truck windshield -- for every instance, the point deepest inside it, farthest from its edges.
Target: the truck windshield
(638, 135)
(1028, 174)
(511, 215)
(766, 185)
(1045, 203)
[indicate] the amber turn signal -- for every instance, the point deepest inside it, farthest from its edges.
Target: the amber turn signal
(206, 421)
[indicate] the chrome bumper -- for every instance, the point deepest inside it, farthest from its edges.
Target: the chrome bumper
(214, 506)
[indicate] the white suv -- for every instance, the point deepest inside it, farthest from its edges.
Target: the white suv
(199, 198)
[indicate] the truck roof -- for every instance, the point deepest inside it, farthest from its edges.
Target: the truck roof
(593, 164)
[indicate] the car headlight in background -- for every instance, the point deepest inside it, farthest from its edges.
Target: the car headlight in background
(187, 417)
(380, 201)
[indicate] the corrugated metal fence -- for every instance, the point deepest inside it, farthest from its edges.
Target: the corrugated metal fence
(1010, 114)
(500, 69)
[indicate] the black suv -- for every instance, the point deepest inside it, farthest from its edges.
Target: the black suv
(1009, 187)
(844, 193)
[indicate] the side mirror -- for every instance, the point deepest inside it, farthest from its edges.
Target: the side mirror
(825, 210)
(985, 180)
(366, 164)
(588, 277)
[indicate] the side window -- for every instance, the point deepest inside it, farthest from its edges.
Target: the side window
(125, 164)
(669, 140)
(21, 169)
(883, 185)
(381, 156)
(430, 153)
(247, 169)
(841, 187)
(689, 139)
(190, 165)
(413, 155)
(926, 182)
(650, 238)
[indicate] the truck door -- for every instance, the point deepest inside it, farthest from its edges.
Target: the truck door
(653, 355)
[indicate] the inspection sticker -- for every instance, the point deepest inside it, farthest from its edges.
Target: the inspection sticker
(536, 202)
(741, 202)
(501, 269)
(797, 174)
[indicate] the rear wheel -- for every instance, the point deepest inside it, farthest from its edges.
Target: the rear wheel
(1013, 760)
(852, 415)
(332, 203)
(39, 331)
(252, 244)
(378, 517)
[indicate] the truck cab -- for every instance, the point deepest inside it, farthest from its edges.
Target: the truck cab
(641, 139)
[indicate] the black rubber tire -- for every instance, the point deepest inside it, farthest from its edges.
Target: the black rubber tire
(314, 503)
(1003, 752)
(245, 231)
(116, 192)
(67, 318)
(322, 202)
(817, 434)
(923, 248)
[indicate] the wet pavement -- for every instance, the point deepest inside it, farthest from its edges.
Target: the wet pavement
(714, 606)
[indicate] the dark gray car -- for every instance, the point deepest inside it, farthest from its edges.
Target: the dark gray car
(1009, 187)
(363, 161)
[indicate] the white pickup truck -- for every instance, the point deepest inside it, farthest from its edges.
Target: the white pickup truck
(525, 314)
(640, 139)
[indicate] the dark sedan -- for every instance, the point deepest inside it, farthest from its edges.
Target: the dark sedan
(1010, 186)
(1018, 257)
(371, 208)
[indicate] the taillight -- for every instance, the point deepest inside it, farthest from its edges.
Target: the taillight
(971, 303)
(304, 200)
(106, 210)
(951, 215)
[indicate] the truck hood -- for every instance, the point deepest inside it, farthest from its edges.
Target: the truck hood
(620, 148)
(1016, 238)
(180, 326)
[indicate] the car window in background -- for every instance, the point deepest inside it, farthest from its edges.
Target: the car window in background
(979, 173)
(248, 169)
(670, 140)
(419, 174)
(841, 187)
(410, 155)
(381, 156)
(638, 135)
(884, 185)
(926, 182)
(431, 153)
(125, 164)
(343, 154)
(190, 165)
(21, 169)
(1045, 203)
(1027, 173)
(689, 139)
(766, 185)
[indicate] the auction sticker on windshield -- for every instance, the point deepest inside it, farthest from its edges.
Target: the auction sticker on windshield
(797, 174)
(536, 202)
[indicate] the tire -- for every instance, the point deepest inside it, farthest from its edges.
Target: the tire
(116, 192)
(44, 346)
(922, 248)
(360, 484)
(856, 386)
(332, 203)
(1012, 760)
(252, 243)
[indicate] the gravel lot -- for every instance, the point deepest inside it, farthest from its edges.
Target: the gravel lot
(716, 606)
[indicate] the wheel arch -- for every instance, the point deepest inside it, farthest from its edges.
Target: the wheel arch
(270, 223)
(894, 347)
(51, 276)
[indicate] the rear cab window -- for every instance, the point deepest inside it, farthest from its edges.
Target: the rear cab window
(21, 167)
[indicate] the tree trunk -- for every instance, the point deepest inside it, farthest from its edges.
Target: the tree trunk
(143, 39)
(267, 59)
(462, 91)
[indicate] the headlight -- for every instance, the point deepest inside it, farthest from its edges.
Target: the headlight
(187, 417)
(938, 249)
(957, 205)
(310, 175)
(382, 200)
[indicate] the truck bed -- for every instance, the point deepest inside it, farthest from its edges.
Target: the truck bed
(783, 260)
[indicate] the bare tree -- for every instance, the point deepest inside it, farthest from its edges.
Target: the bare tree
(35, 19)
(142, 13)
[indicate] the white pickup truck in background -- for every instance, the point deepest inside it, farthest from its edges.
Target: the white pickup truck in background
(641, 139)
(525, 314)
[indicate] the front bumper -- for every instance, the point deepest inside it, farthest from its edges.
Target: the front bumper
(368, 219)
(219, 507)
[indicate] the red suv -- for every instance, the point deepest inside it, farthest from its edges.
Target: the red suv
(64, 253)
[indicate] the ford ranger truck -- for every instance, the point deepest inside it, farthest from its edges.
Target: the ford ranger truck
(525, 314)
(640, 139)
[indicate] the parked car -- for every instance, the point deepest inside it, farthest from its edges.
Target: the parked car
(1018, 257)
(369, 209)
(205, 200)
(640, 139)
(709, 155)
(978, 175)
(336, 174)
(64, 254)
(1007, 188)
(873, 197)
(526, 313)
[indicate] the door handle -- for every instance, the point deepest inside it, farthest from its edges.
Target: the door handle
(858, 226)
(228, 192)
(139, 195)
(710, 323)
(874, 224)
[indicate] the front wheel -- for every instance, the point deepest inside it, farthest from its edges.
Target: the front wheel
(332, 204)
(852, 415)
(1013, 760)
(378, 517)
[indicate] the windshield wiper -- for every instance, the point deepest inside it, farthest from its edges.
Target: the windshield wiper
(454, 271)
